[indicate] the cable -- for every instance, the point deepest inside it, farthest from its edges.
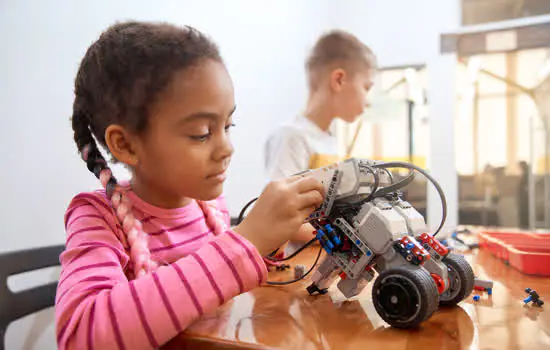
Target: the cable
(270, 256)
(374, 193)
(389, 174)
(375, 185)
(243, 211)
(429, 177)
(397, 186)
(241, 218)
(310, 242)
(273, 253)
(301, 277)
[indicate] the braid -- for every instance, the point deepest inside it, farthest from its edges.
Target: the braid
(139, 251)
(132, 227)
(118, 80)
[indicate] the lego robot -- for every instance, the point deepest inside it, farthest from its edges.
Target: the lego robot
(365, 226)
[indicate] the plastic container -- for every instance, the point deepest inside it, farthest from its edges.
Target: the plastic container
(529, 252)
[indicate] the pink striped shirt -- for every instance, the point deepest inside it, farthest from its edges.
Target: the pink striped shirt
(97, 307)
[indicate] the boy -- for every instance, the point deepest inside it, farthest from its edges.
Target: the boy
(340, 71)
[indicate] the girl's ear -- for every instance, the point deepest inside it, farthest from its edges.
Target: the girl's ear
(121, 144)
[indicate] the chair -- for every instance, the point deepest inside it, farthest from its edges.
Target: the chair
(14, 306)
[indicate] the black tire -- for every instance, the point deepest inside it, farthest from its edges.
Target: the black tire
(405, 296)
(461, 279)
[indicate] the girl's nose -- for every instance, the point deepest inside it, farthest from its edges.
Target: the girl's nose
(225, 148)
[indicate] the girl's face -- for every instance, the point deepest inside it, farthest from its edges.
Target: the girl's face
(186, 150)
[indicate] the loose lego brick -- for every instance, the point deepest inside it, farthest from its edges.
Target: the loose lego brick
(533, 297)
(485, 284)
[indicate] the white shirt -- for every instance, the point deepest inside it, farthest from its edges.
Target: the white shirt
(295, 146)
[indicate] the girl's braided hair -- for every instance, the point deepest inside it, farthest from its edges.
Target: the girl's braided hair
(119, 78)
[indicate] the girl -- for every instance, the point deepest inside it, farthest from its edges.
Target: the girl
(147, 257)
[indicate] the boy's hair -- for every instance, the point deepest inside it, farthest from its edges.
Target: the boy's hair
(338, 49)
(119, 78)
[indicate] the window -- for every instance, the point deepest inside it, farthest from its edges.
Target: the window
(502, 99)
(395, 126)
(485, 11)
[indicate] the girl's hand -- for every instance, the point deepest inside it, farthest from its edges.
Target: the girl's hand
(280, 212)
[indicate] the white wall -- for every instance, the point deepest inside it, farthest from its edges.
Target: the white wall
(263, 43)
(405, 32)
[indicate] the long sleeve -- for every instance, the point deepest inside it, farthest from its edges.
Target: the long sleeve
(98, 308)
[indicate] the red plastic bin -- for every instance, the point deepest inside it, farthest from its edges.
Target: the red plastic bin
(529, 252)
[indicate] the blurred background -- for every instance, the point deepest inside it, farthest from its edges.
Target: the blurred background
(463, 90)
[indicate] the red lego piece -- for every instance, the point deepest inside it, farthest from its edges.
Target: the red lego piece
(346, 245)
(417, 249)
(434, 244)
(438, 282)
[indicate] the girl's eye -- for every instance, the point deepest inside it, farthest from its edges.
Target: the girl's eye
(201, 138)
(205, 137)
(229, 126)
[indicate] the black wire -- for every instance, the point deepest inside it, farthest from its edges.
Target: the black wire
(270, 256)
(241, 218)
(375, 185)
(392, 188)
(310, 242)
(301, 277)
(429, 177)
(243, 211)
(273, 253)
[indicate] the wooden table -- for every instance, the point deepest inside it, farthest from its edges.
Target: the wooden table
(288, 318)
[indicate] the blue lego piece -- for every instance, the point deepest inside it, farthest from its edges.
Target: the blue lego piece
(476, 297)
(409, 245)
(330, 231)
(528, 299)
(490, 291)
(369, 253)
(325, 242)
(333, 235)
(357, 242)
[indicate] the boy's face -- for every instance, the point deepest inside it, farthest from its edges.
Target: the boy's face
(350, 98)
